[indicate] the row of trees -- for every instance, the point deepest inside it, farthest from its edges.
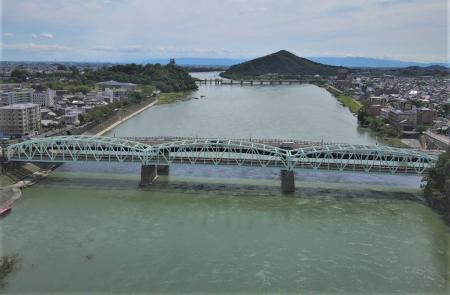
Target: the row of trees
(376, 124)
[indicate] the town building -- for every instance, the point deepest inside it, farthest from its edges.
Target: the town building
(425, 116)
(45, 99)
(375, 110)
(403, 119)
(17, 120)
(115, 85)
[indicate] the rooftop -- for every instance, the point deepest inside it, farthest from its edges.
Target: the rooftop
(19, 106)
(114, 83)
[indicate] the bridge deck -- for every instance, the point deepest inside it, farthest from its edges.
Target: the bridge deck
(294, 143)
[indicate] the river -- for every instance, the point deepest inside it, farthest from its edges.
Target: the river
(89, 228)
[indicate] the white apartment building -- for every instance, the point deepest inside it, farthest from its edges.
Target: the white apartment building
(20, 96)
(17, 120)
(45, 99)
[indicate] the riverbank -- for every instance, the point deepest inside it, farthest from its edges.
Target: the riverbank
(120, 121)
(437, 190)
(167, 98)
(129, 112)
(345, 100)
(120, 115)
(356, 107)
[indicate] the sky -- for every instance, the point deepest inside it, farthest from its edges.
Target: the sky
(135, 30)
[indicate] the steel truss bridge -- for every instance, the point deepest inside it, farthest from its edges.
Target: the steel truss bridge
(220, 151)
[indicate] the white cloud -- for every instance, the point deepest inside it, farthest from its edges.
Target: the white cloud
(36, 47)
(8, 34)
(43, 36)
(46, 35)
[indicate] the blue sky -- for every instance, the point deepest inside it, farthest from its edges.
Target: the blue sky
(125, 30)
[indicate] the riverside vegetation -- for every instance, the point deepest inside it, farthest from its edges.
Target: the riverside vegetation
(7, 265)
(173, 81)
(437, 190)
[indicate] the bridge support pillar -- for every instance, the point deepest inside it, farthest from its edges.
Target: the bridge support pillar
(162, 169)
(287, 181)
(148, 174)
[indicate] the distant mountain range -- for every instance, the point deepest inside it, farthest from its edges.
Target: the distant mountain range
(367, 62)
(282, 63)
(351, 62)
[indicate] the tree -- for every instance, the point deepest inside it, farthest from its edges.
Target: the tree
(19, 75)
(437, 189)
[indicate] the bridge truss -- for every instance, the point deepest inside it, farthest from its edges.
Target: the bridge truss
(340, 157)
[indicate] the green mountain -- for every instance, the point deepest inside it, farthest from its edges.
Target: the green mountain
(282, 63)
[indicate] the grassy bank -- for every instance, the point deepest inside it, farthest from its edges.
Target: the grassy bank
(392, 141)
(346, 100)
(171, 97)
(350, 102)
(386, 134)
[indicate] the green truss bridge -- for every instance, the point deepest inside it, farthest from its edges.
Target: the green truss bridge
(157, 154)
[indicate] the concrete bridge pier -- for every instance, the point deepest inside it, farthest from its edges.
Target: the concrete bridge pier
(287, 181)
(148, 174)
(162, 169)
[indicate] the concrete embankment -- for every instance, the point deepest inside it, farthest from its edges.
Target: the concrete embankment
(120, 121)
(103, 125)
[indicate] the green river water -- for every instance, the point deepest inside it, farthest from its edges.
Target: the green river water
(89, 228)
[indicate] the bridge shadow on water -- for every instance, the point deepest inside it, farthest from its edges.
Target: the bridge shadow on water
(237, 181)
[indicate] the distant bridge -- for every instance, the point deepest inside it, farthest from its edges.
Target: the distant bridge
(249, 82)
(157, 154)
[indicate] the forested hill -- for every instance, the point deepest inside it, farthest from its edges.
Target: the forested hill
(282, 63)
(167, 78)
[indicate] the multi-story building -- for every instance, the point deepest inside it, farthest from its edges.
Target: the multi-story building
(403, 119)
(425, 116)
(17, 120)
(20, 96)
(46, 98)
(384, 113)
